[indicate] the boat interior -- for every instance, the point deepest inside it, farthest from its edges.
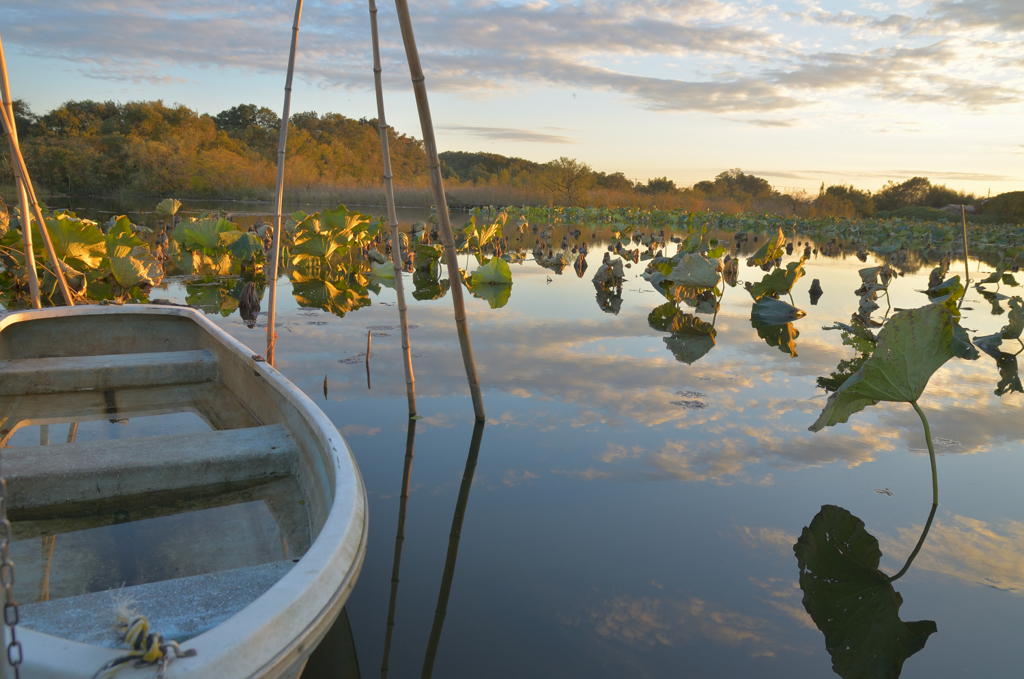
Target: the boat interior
(148, 463)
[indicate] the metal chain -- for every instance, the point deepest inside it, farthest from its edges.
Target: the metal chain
(14, 656)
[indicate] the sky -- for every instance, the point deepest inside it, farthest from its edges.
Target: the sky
(799, 92)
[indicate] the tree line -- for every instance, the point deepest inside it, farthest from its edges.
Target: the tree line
(149, 148)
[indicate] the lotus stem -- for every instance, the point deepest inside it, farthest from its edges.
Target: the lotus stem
(389, 197)
(275, 245)
(931, 452)
(920, 543)
(440, 203)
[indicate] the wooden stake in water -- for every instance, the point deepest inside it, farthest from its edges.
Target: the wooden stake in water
(275, 244)
(440, 203)
(389, 196)
(369, 336)
(19, 181)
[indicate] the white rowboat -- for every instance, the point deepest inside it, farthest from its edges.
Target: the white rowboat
(235, 516)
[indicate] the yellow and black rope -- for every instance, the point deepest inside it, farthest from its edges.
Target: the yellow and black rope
(145, 647)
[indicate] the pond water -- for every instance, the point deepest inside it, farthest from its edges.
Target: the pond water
(625, 513)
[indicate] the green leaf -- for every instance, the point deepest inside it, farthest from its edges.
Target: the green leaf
(768, 311)
(782, 336)
(1012, 330)
(242, 246)
(772, 250)
(135, 267)
(337, 297)
(778, 282)
(203, 234)
(690, 339)
(121, 235)
(78, 243)
(383, 270)
(494, 272)
(851, 601)
(496, 296)
(168, 207)
(911, 347)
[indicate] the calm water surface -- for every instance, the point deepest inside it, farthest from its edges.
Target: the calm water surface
(631, 515)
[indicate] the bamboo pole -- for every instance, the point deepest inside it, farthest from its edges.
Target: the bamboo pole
(967, 267)
(389, 195)
(403, 505)
(25, 186)
(453, 550)
(19, 162)
(440, 203)
(19, 181)
(275, 245)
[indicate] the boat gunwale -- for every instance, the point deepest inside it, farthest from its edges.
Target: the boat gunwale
(271, 620)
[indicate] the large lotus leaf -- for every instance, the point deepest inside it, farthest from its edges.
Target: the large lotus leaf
(348, 226)
(494, 272)
(694, 270)
(427, 255)
(496, 295)
(851, 601)
(136, 267)
(691, 337)
(911, 347)
(773, 249)
(242, 246)
(212, 298)
(383, 270)
(77, 242)
(203, 234)
(778, 282)
(429, 286)
(168, 207)
(782, 336)
(204, 265)
(768, 311)
(310, 245)
(121, 235)
(337, 297)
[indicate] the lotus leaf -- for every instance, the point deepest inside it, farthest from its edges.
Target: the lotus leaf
(496, 296)
(494, 272)
(851, 601)
(782, 336)
(135, 267)
(79, 243)
(778, 282)
(768, 311)
(121, 235)
(1012, 330)
(381, 270)
(690, 339)
(203, 234)
(168, 207)
(337, 297)
(911, 347)
(243, 246)
(772, 250)
(428, 286)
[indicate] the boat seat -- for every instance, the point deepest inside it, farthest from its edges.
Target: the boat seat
(42, 476)
(179, 609)
(98, 373)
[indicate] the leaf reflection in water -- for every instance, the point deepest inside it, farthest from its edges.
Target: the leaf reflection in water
(851, 601)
